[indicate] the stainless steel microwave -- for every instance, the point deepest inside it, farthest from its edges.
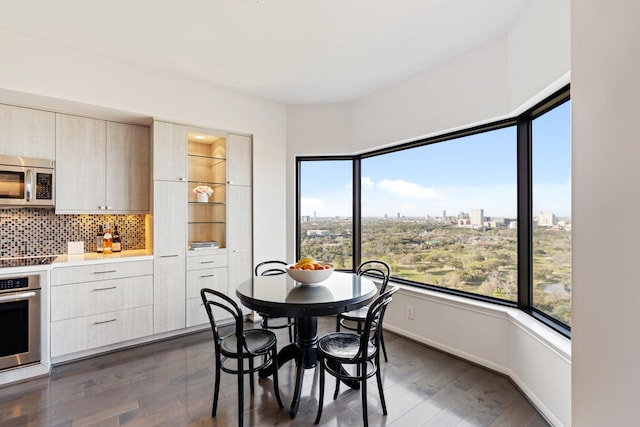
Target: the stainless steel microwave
(26, 182)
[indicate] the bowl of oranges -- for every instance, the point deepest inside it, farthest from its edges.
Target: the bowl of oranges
(307, 271)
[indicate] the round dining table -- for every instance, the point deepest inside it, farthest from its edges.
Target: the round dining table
(281, 296)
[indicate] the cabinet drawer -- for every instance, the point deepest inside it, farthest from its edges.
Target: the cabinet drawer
(89, 298)
(206, 261)
(197, 314)
(212, 278)
(83, 333)
(103, 271)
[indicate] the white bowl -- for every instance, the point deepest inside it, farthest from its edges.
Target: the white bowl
(308, 276)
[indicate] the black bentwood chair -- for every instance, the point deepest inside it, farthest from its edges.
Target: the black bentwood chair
(353, 320)
(274, 268)
(337, 349)
(239, 345)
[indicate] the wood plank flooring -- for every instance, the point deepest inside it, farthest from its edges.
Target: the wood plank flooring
(170, 383)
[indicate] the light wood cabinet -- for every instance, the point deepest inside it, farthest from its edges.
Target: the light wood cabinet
(240, 160)
(27, 132)
(81, 169)
(128, 160)
(205, 271)
(101, 166)
(100, 304)
(240, 241)
(169, 244)
(169, 151)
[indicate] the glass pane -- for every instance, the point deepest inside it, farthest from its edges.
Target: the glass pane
(326, 222)
(552, 213)
(444, 214)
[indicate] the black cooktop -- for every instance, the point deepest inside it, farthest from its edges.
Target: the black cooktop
(26, 261)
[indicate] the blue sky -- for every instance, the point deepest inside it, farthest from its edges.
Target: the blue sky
(474, 172)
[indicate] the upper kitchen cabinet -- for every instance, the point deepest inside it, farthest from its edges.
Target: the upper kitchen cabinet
(101, 166)
(239, 165)
(27, 132)
(169, 152)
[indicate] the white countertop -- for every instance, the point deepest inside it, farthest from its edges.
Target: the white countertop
(81, 259)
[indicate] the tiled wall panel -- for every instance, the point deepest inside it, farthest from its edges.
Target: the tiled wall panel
(34, 232)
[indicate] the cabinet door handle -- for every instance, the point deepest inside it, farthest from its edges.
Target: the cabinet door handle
(207, 275)
(104, 321)
(104, 289)
(168, 256)
(104, 272)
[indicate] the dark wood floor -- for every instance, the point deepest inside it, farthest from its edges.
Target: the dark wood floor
(170, 383)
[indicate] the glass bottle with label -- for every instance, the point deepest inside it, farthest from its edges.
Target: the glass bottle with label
(107, 242)
(116, 245)
(99, 240)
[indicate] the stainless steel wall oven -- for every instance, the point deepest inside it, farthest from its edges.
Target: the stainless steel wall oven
(19, 320)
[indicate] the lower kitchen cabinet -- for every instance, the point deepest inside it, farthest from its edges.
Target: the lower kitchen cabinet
(100, 304)
(205, 271)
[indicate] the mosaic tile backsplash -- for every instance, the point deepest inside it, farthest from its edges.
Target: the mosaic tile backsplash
(35, 232)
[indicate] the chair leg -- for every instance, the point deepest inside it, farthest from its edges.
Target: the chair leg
(363, 380)
(337, 323)
(216, 389)
(335, 393)
(321, 397)
(276, 387)
(240, 393)
(251, 382)
(384, 349)
(380, 389)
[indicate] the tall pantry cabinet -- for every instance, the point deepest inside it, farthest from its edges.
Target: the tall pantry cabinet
(169, 226)
(240, 209)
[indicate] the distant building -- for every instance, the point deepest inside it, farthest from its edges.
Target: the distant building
(477, 217)
(547, 220)
(317, 233)
(464, 222)
(306, 219)
(513, 224)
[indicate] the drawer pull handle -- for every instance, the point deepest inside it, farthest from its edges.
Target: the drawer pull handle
(104, 321)
(207, 262)
(103, 289)
(207, 275)
(104, 272)
(168, 256)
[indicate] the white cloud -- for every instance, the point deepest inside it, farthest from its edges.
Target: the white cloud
(408, 189)
(366, 183)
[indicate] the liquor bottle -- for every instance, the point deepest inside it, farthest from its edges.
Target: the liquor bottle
(116, 243)
(107, 242)
(99, 240)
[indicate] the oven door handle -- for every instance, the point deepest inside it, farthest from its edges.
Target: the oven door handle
(17, 297)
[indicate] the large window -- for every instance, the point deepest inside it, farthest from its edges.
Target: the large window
(326, 211)
(551, 147)
(483, 212)
(441, 213)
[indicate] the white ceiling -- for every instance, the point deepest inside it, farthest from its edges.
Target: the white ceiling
(289, 51)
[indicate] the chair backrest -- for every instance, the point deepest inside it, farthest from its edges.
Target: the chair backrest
(211, 299)
(373, 322)
(380, 270)
(270, 268)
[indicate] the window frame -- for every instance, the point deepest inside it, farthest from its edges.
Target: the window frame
(524, 149)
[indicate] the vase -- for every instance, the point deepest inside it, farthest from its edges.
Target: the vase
(203, 197)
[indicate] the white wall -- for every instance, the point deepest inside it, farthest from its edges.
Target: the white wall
(492, 81)
(606, 183)
(76, 81)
